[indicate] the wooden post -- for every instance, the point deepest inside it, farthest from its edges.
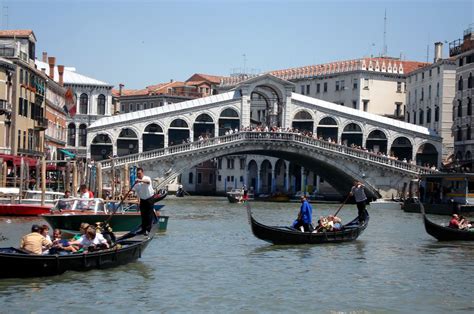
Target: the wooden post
(98, 169)
(22, 174)
(5, 173)
(126, 179)
(1, 173)
(67, 177)
(112, 185)
(74, 179)
(43, 179)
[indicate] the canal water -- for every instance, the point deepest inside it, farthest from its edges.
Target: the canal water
(209, 261)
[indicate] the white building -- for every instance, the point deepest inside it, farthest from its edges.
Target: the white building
(93, 101)
(429, 98)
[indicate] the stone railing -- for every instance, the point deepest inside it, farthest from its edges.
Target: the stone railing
(264, 137)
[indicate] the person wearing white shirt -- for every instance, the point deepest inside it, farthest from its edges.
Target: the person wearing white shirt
(144, 191)
(91, 238)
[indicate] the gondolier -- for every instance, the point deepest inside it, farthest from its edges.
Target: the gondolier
(144, 191)
(360, 198)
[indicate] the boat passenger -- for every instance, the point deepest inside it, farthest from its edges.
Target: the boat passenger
(337, 223)
(91, 240)
(34, 241)
(464, 224)
(60, 244)
(454, 222)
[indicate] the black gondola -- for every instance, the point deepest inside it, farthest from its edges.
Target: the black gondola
(289, 235)
(442, 233)
(16, 263)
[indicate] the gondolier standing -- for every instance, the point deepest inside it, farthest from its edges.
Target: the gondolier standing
(358, 192)
(144, 191)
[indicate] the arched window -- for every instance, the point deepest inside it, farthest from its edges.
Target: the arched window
(459, 134)
(469, 81)
(428, 115)
(191, 175)
(327, 121)
(83, 103)
(303, 115)
(229, 113)
(204, 118)
(71, 134)
(82, 135)
(421, 118)
(460, 83)
(179, 123)
(469, 106)
(101, 105)
(468, 132)
(436, 114)
(153, 128)
(459, 108)
(408, 117)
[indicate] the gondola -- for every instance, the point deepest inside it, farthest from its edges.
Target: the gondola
(442, 233)
(17, 263)
(289, 235)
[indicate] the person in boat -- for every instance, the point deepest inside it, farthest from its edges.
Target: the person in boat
(60, 245)
(144, 191)
(91, 240)
(454, 222)
(360, 198)
(34, 241)
(464, 224)
(337, 223)
(245, 196)
(304, 220)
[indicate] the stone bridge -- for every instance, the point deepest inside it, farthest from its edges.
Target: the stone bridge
(339, 164)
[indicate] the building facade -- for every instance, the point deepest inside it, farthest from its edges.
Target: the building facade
(463, 51)
(429, 98)
(7, 69)
(27, 121)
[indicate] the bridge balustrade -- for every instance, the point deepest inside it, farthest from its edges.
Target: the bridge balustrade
(278, 136)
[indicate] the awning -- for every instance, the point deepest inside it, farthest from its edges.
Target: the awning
(67, 153)
(17, 160)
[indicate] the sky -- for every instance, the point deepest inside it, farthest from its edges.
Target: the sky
(141, 43)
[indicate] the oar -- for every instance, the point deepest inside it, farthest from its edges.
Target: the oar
(343, 203)
(120, 204)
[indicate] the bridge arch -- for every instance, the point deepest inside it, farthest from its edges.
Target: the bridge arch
(303, 120)
(153, 137)
(252, 174)
(328, 129)
(127, 142)
(101, 147)
(402, 148)
(352, 134)
(178, 132)
(229, 119)
(280, 176)
(377, 141)
(266, 176)
(427, 154)
(203, 126)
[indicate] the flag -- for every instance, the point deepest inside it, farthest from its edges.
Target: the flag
(70, 106)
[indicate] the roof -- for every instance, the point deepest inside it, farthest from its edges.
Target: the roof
(70, 76)
(205, 77)
(20, 33)
(147, 113)
(364, 115)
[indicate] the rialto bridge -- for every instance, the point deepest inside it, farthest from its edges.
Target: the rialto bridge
(168, 141)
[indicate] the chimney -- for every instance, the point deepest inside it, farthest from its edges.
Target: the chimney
(438, 51)
(51, 61)
(171, 81)
(45, 57)
(61, 72)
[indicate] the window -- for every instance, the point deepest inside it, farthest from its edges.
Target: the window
(219, 178)
(414, 117)
(399, 87)
(337, 85)
(408, 117)
(318, 87)
(83, 103)
(24, 139)
(354, 84)
(325, 88)
(230, 163)
(459, 108)
(211, 176)
(468, 133)
(308, 89)
(242, 163)
(429, 92)
(199, 180)
(302, 89)
(439, 70)
(366, 105)
(460, 62)
(428, 115)
(421, 118)
(460, 87)
(422, 75)
(241, 179)
(459, 134)
(398, 111)
(219, 163)
(366, 83)
(469, 81)
(469, 106)
(437, 89)
(19, 138)
(436, 114)
(101, 105)
(343, 84)
(190, 180)
(422, 93)
(122, 107)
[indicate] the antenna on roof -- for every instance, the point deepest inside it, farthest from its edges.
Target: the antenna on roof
(384, 53)
(245, 63)
(5, 17)
(427, 53)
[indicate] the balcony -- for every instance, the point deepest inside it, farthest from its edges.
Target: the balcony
(5, 107)
(41, 124)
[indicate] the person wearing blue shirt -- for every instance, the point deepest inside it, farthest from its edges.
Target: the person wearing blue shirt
(304, 216)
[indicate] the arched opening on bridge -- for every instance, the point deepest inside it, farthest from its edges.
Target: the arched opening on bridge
(153, 137)
(427, 155)
(266, 176)
(295, 178)
(252, 175)
(127, 142)
(71, 134)
(280, 176)
(351, 135)
(228, 120)
(101, 147)
(259, 104)
(376, 142)
(203, 126)
(327, 129)
(178, 132)
(402, 149)
(303, 121)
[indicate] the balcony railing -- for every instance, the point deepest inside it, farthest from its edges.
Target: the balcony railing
(5, 107)
(41, 124)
